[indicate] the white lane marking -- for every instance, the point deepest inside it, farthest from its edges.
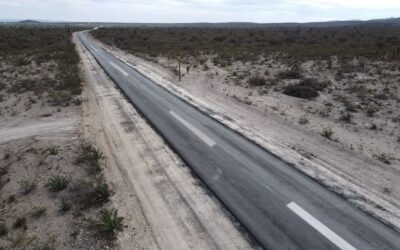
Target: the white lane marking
(324, 230)
(207, 140)
(122, 71)
(95, 49)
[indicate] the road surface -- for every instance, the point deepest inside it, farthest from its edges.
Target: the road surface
(281, 207)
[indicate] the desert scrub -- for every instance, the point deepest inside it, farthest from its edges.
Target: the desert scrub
(39, 211)
(3, 229)
(108, 222)
(92, 157)
(26, 186)
(103, 191)
(64, 206)
(300, 91)
(382, 157)
(303, 120)
(20, 222)
(57, 183)
(52, 150)
(327, 133)
(257, 81)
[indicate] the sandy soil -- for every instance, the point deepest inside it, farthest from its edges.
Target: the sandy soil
(345, 164)
(29, 128)
(165, 205)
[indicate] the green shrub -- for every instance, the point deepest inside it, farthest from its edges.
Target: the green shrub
(103, 191)
(58, 183)
(52, 150)
(108, 221)
(91, 156)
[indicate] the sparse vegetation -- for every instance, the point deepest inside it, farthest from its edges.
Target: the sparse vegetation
(300, 91)
(20, 222)
(52, 150)
(103, 191)
(92, 157)
(58, 183)
(327, 133)
(108, 221)
(3, 229)
(39, 211)
(383, 158)
(303, 120)
(257, 81)
(64, 205)
(27, 185)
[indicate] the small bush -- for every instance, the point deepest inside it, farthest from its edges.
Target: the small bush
(257, 81)
(64, 206)
(327, 133)
(91, 156)
(52, 150)
(103, 192)
(346, 117)
(27, 186)
(3, 171)
(383, 158)
(3, 229)
(58, 183)
(108, 222)
(39, 211)
(20, 222)
(300, 91)
(303, 120)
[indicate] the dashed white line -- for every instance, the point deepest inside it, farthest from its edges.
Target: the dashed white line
(324, 230)
(95, 49)
(122, 71)
(207, 140)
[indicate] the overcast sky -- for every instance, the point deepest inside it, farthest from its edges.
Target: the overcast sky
(168, 11)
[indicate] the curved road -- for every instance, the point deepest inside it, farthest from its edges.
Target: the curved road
(281, 207)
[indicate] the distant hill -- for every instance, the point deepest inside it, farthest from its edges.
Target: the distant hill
(29, 22)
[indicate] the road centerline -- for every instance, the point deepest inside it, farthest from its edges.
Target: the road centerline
(207, 140)
(118, 68)
(324, 230)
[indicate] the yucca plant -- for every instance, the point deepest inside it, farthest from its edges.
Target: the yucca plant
(58, 183)
(108, 222)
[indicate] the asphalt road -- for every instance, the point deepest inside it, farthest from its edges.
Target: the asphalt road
(281, 207)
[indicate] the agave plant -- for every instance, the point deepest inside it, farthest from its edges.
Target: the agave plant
(108, 222)
(58, 183)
